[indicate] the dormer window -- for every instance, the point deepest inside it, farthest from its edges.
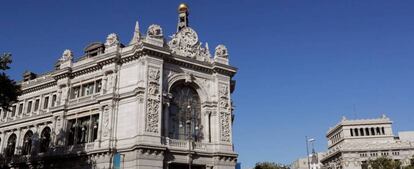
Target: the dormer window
(94, 49)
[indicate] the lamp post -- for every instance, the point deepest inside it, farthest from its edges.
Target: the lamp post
(307, 148)
(189, 123)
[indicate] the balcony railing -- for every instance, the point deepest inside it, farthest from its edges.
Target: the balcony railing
(183, 144)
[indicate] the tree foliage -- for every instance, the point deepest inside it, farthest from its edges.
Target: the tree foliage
(270, 165)
(9, 90)
(384, 163)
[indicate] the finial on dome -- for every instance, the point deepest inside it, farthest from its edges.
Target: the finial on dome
(183, 8)
(182, 16)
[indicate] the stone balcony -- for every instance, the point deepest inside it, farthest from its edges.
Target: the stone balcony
(186, 145)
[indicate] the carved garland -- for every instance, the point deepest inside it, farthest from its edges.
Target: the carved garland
(225, 115)
(153, 101)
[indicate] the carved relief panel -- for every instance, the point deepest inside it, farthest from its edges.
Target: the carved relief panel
(225, 113)
(153, 101)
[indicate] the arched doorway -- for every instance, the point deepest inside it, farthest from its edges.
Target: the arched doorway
(27, 143)
(11, 145)
(185, 113)
(45, 139)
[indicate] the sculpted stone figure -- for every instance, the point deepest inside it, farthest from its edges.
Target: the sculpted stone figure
(221, 51)
(67, 55)
(154, 31)
(112, 40)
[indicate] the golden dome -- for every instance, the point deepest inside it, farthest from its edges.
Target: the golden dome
(183, 8)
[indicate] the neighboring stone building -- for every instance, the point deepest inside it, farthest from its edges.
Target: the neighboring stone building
(352, 143)
(314, 162)
(153, 103)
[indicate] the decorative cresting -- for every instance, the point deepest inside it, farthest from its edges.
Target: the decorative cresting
(153, 100)
(185, 43)
(225, 113)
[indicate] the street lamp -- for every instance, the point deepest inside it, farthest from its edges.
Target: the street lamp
(307, 148)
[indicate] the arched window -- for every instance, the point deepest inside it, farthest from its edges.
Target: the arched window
(356, 132)
(372, 131)
(362, 131)
(367, 131)
(11, 145)
(185, 113)
(352, 132)
(378, 131)
(45, 139)
(27, 143)
(383, 130)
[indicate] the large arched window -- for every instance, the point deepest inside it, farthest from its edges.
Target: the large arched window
(11, 145)
(27, 143)
(185, 113)
(45, 139)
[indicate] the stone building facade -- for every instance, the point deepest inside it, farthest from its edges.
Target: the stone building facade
(153, 103)
(352, 143)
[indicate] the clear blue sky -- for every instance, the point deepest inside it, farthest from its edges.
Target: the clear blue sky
(302, 64)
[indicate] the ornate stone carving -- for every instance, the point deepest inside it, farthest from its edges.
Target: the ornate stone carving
(154, 31)
(105, 121)
(225, 113)
(112, 40)
(66, 56)
(224, 100)
(221, 51)
(225, 126)
(58, 124)
(153, 101)
(185, 43)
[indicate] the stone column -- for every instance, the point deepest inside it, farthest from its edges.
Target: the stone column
(166, 119)
(18, 136)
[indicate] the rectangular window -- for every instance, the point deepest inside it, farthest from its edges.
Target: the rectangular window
(14, 110)
(20, 108)
(87, 89)
(98, 86)
(83, 130)
(54, 100)
(29, 106)
(37, 102)
(71, 131)
(46, 102)
(94, 126)
(75, 92)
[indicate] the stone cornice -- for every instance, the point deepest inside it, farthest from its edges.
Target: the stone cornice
(128, 55)
(38, 87)
(25, 119)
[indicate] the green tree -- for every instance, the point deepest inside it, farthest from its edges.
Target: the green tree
(384, 163)
(9, 90)
(270, 165)
(411, 166)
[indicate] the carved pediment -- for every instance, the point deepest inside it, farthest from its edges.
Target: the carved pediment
(186, 43)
